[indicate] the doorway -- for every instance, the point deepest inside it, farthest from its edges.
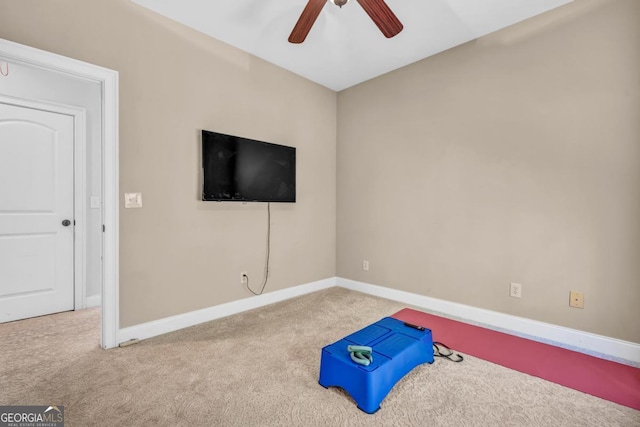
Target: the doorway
(77, 72)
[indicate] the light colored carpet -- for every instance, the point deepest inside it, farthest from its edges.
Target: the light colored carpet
(260, 368)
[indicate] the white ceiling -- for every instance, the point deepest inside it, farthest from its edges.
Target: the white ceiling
(344, 47)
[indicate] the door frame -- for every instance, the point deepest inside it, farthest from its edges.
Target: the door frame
(108, 81)
(79, 187)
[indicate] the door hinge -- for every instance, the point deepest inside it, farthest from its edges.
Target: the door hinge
(103, 228)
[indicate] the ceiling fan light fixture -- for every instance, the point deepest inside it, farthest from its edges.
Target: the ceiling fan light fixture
(339, 3)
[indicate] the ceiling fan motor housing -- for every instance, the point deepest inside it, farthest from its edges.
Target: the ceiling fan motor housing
(340, 2)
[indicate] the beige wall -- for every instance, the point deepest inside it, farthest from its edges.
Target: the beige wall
(514, 158)
(179, 254)
(511, 158)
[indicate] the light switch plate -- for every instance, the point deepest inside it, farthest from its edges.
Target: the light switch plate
(95, 202)
(132, 200)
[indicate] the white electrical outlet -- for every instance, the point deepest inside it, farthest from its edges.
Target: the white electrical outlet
(365, 265)
(244, 277)
(516, 290)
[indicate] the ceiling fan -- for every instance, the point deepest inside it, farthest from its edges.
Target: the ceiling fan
(377, 10)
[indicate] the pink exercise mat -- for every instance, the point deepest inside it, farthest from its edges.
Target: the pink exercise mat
(599, 377)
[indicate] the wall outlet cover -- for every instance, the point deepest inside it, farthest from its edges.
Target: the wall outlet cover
(515, 290)
(576, 299)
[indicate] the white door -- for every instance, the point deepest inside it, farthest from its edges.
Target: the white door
(36, 201)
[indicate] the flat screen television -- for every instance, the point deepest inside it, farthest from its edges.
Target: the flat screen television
(239, 169)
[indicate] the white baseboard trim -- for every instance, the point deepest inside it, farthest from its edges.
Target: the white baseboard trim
(180, 321)
(92, 301)
(596, 345)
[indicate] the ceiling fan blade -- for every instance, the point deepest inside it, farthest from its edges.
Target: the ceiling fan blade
(382, 16)
(306, 20)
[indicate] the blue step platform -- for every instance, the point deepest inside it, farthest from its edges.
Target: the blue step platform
(397, 349)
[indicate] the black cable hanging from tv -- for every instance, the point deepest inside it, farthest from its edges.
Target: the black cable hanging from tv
(266, 266)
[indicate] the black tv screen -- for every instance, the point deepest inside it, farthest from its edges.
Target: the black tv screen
(239, 169)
